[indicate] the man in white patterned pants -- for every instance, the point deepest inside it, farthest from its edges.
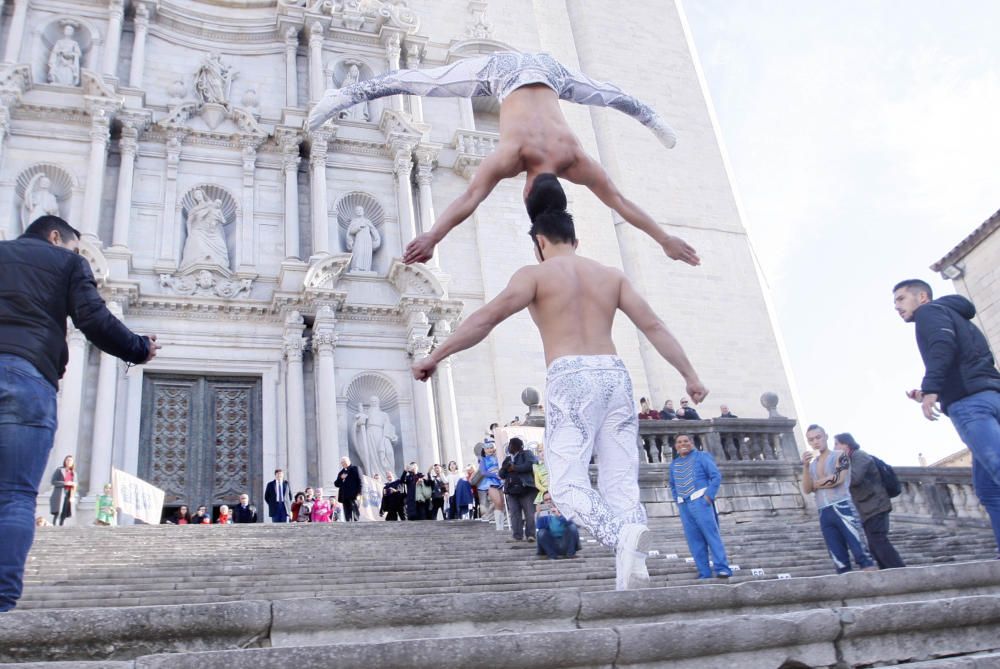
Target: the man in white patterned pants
(534, 136)
(589, 404)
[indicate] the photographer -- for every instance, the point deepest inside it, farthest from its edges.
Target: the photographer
(517, 472)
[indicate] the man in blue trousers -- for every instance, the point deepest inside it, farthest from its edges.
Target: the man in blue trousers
(694, 483)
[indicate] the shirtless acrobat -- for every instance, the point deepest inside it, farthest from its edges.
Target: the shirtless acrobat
(588, 394)
(534, 135)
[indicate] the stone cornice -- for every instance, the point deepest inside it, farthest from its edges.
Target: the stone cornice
(964, 247)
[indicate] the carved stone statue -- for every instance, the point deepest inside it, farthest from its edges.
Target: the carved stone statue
(363, 239)
(359, 112)
(38, 200)
(214, 79)
(374, 438)
(64, 61)
(206, 241)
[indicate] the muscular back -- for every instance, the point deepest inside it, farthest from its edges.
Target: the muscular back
(533, 127)
(574, 306)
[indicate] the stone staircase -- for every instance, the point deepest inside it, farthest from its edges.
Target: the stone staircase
(460, 594)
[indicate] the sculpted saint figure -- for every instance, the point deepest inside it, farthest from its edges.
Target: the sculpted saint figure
(206, 241)
(363, 240)
(64, 61)
(374, 438)
(359, 112)
(214, 80)
(38, 200)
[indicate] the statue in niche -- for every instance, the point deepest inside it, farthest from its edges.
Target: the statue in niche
(38, 200)
(359, 112)
(206, 241)
(213, 80)
(64, 61)
(374, 437)
(363, 239)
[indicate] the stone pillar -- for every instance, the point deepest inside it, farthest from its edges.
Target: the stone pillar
(419, 346)
(393, 50)
(138, 66)
(403, 168)
(245, 232)
(169, 227)
(324, 341)
(128, 144)
(4, 123)
(295, 400)
(467, 114)
(315, 61)
(320, 216)
(116, 13)
(71, 396)
(413, 62)
(289, 142)
(292, 67)
(12, 50)
(99, 138)
(104, 417)
(425, 169)
(444, 392)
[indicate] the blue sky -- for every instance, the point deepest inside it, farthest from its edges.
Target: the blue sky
(863, 139)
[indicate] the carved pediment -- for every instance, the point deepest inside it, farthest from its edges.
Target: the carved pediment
(94, 86)
(368, 16)
(326, 273)
(206, 280)
(213, 120)
(397, 125)
(98, 263)
(14, 80)
(471, 48)
(414, 281)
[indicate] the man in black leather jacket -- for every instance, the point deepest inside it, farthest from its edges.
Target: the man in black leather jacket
(43, 280)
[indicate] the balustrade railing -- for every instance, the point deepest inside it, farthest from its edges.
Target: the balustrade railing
(727, 439)
(471, 147)
(938, 493)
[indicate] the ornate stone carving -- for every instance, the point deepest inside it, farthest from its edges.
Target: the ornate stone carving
(206, 282)
(293, 347)
(478, 27)
(362, 240)
(375, 436)
(206, 240)
(38, 200)
(64, 59)
(324, 340)
(352, 75)
(213, 80)
(425, 165)
(141, 17)
(419, 346)
(402, 162)
(368, 15)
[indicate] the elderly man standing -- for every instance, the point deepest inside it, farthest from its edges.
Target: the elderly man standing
(43, 280)
(348, 484)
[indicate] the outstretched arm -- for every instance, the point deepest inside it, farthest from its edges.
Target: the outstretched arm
(640, 313)
(587, 172)
(516, 296)
(501, 164)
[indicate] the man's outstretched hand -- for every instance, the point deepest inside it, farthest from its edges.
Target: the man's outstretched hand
(423, 369)
(696, 391)
(678, 249)
(153, 348)
(421, 249)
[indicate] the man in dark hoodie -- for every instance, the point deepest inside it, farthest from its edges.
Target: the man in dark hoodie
(961, 376)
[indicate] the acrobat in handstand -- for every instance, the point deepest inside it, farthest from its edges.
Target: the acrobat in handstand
(534, 135)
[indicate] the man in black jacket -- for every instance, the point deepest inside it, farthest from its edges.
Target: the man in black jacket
(960, 376)
(244, 512)
(278, 496)
(43, 280)
(348, 484)
(518, 474)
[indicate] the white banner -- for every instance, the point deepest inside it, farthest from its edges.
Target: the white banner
(135, 497)
(370, 501)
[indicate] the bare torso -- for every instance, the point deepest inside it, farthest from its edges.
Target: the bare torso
(574, 306)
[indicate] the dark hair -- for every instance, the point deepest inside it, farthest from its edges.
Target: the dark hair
(915, 286)
(847, 439)
(493, 425)
(279, 469)
(515, 442)
(814, 426)
(43, 226)
(641, 400)
(546, 205)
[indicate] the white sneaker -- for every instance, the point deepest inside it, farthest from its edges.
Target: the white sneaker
(630, 558)
(333, 101)
(665, 134)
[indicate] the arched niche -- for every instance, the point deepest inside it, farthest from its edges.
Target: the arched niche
(86, 34)
(357, 394)
(31, 181)
(336, 77)
(374, 212)
(230, 214)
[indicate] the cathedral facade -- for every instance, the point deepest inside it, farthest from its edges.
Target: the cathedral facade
(266, 257)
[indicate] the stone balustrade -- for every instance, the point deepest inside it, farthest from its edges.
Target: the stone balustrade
(943, 494)
(471, 147)
(727, 439)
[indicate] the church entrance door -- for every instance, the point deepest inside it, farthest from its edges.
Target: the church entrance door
(200, 439)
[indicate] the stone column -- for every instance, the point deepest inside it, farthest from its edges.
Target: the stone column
(128, 144)
(169, 226)
(138, 66)
(245, 232)
(99, 138)
(425, 169)
(12, 50)
(292, 67)
(403, 168)
(116, 13)
(467, 114)
(295, 400)
(444, 392)
(71, 395)
(393, 50)
(315, 61)
(289, 142)
(104, 417)
(4, 123)
(317, 163)
(413, 62)
(324, 341)
(419, 346)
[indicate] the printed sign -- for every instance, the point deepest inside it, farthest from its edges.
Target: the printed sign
(757, 572)
(136, 498)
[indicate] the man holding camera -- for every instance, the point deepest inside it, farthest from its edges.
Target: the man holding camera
(519, 487)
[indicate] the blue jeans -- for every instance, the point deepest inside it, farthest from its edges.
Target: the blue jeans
(701, 529)
(554, 546)
(27, 427)
(977, 420)
(842, 532)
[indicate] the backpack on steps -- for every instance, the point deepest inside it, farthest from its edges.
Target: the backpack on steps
(889, 478)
